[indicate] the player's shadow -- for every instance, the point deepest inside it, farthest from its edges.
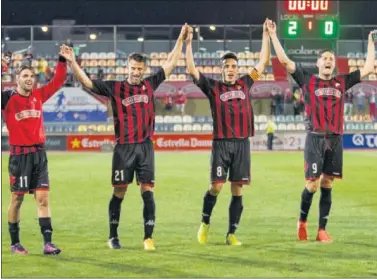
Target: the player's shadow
(141, 270)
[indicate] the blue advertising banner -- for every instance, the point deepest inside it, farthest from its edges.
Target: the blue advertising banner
(58, 143)
(360, 141)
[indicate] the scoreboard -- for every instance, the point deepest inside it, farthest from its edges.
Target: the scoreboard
(308, 19)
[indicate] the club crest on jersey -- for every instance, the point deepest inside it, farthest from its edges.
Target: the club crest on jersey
(31, 113)
(328, 92)
(232, 95)
(135, 99)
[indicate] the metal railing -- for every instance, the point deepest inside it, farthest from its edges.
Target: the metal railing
(151, 38)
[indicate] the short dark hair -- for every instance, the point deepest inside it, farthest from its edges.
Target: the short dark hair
(24, 67)
(229, 55)
(325, 50)
(138, 57)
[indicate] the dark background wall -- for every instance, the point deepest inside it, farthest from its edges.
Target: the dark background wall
(40, 12)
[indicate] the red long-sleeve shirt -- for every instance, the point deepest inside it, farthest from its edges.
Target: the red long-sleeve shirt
(23, 115)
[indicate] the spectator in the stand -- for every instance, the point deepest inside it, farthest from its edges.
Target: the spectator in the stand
(288, 102)
(279, 102)
(360, 101)
(42, 69)
(348, 102)
(273, 101)
(101, 74)
(168, 102)
(271, 127)
(297, 104)
(180, 102)
(372, 104)
(69, 42)
(28, 56)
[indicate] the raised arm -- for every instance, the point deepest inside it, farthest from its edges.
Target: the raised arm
(280, 53)
(190, 64)
(76, 69)
(369, 62)
(175, 54)
(265, 52)
(58, 80)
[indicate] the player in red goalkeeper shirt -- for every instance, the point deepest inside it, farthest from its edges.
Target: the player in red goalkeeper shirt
(28, 170)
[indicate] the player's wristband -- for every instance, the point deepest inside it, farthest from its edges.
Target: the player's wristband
(62, 59)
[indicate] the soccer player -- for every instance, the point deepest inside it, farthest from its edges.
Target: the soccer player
(28, 169)
(324, 104)
(133, 107)
(233, 124)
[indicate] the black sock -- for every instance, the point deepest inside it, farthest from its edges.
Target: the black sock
(114, 215)
(209, 202)
(148, 213)
(306, 202)
(46, 228)
(235, 211)
(324, 207)
(14, 231)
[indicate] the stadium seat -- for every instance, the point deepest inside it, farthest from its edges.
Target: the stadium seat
(159, 119)
(161, 62)
(241, 62)
(187, 119)
(270, 77)
(372, 77)
(299, 118)
(300, 126)
(352, 69)
(187, 127)
(360, 62)
(110, 63)
(206, 55)
(241, 55)
(154, 63)
(6, 78)
(101, 128)
(102, 55)
(352, 62)
(291, 127)
(182, 77)
(196, 127)
(207, 127)
(110, 55)
(242, 70)
(262, 118)
(85, 55)
(177, 128)
(177, 119)
(249, 55)
(173, 77)
(168, 119)
(282, 127)
(359, 55)
(375, 126)
(256, 56)
(181, 63)
(82, 128)
(280, 118)
(359, 126)
(351, 55)
(94, 55)
(369, 127)
(17, 64)
(110, 128)
(163, 55)
(197, 55)
(289, 118)
(350, 126)
(262, 126)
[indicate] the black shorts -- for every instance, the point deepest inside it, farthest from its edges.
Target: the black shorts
(323, 155)
(28, 172)
(131, 158)
(232, 155)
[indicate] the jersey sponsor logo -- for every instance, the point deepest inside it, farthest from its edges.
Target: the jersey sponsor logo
(328, 92)
(135, 99)
(31, 113)
(232, 95)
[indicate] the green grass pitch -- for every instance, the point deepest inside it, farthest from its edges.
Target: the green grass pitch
(80, 192)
